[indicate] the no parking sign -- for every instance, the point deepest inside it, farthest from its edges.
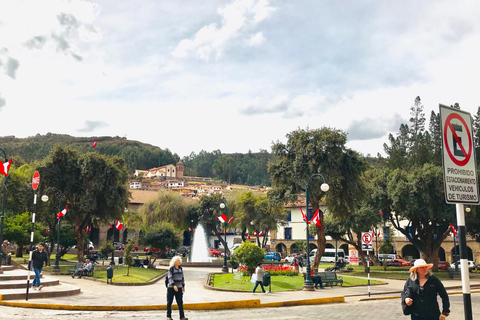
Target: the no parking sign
(459, 165)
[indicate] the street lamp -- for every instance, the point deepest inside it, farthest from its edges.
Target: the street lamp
(308, 284)
(223, 206)
(2, 217)
(59, 195)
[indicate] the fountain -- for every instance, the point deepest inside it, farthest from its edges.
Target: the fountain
(199, 247)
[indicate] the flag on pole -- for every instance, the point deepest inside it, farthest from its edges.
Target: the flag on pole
(223, 218)
(88, 229)
(119, 225)
(304, 216)
(230, 220)
(248, 235)
(255, 233)
(260, 233)
(62, 213)
(5, 167)
(453, 229)
(316, 218)
(190, 229)
(94, 143)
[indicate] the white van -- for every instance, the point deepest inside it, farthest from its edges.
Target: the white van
(328, 255)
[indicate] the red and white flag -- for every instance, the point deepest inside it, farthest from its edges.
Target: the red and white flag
(230, 220)
(453, 229)
(5, 167)
(260, 233)
(375, 233)
(316, 218)
(223, 218)
(190, 229)
(94, 143)
(88, 229)
(304, 216)
(248, 235)
(62, 213)
(255, 233)
(119, 225)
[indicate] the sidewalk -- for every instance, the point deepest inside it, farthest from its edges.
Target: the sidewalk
(99, 296)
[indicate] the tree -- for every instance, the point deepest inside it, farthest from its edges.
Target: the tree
(249, 255)
(94, 186)
(159, 238)
(17, 228)
(127, 256)
(309, 152)
(106, 247)
(166, 206)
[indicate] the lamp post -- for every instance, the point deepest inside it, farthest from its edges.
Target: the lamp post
(59, 195)
(223, 206)
(2, 217)
(308, 284)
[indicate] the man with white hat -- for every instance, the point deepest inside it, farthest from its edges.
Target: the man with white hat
(419, 296)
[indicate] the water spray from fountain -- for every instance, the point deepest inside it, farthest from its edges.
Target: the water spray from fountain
(199, 247)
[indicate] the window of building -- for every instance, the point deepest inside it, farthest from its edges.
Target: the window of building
(289, 215)
(288, 233)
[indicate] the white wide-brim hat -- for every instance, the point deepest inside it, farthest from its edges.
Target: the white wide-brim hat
(420, 263)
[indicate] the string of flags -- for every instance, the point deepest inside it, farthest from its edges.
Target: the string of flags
(5, 167)
(316, 219)
(62, 213)
(453, 229)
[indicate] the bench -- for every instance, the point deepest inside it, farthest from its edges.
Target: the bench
(77, 266)
(328, 278)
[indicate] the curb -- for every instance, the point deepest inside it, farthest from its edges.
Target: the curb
(223, 305)
(398, 297)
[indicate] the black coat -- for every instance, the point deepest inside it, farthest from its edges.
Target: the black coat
(39, 258)
(425, 299)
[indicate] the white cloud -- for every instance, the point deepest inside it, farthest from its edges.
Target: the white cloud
(239, 19)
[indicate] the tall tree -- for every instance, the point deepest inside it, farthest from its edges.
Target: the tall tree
(166, 206)
(94, 186)
(320, 151)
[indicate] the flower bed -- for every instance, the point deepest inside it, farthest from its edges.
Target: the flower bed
(274, 270)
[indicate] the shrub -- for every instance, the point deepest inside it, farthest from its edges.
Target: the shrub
(249, 255)
(273, 270)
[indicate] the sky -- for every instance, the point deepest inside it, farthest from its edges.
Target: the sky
(234, 75)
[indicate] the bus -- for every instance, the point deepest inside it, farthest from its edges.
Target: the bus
(328, 255)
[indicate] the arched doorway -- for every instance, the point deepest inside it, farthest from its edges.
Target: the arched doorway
(345, 248)
(293, 248)
(441, 254)
(312, 246)
(469, 253)
(282, 249)
(410, 252)
(329, 245)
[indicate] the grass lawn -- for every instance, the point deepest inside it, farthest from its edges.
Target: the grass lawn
(279, 283)
(137, 275)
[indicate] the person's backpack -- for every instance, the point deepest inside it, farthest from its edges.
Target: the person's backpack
(166, 277)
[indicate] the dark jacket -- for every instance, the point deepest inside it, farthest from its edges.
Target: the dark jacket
(39, 259)
(425, 299)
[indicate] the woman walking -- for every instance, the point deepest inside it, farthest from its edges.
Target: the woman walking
(175, 287)
(259, 272)
(419, 296)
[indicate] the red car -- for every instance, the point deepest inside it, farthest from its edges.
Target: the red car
(397, 263)
(214, 252)
(442, 265)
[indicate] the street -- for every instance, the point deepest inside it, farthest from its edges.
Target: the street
(372, 310)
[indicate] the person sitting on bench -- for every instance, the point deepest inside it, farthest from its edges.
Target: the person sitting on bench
(88, 266)
(317, 280)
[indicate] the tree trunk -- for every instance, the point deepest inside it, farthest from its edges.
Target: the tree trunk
(320, 246)
(80, 245)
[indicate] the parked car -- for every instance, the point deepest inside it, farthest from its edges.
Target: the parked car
(290, 258)
(273, 256)
(471, 265)
(360, 263)
(442, 265)
(214, 252)
(118, 246)
(183, 251)
(412, 262)
(397, 263)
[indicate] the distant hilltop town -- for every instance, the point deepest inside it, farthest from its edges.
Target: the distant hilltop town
(172, 177)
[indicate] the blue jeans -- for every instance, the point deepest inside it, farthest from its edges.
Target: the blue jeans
(256, 285)
(36, 280)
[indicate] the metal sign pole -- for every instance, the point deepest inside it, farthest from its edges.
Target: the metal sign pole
(368, 270)
(467, 299)
(30, 264)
